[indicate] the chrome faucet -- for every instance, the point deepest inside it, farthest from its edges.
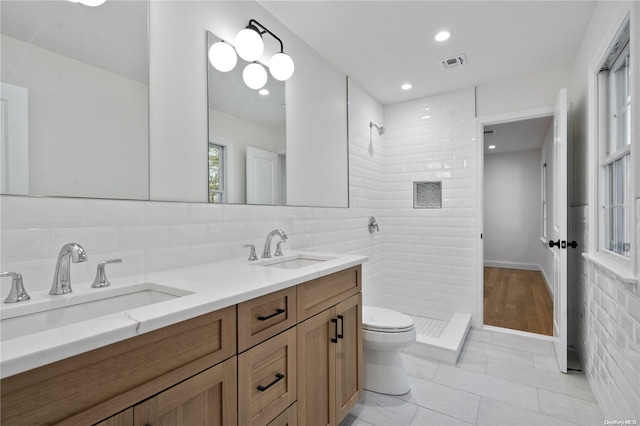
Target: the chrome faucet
(266, 253)
(17, 293)
(71, 252)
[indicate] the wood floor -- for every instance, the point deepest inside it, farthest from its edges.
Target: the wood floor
(517, 299)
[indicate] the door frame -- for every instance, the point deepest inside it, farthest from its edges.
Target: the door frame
(481, 122)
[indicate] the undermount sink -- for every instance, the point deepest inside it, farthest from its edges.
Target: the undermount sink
(294, 261)
(59, 311)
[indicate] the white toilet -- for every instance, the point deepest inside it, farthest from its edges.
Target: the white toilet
(384, 334)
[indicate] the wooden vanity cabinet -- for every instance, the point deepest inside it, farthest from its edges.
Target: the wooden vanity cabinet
(209, 370)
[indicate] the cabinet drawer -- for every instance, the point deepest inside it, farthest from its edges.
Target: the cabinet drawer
(267, 381)
(266, 316)
(288, 418)
(317, 295)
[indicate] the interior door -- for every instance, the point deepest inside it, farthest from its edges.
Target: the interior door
(558, 239)
(14, 139)
(262, 176)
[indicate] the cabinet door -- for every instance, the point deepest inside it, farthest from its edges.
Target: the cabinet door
(207, 399)
(348, 355)
(124, 418)
(316, 370)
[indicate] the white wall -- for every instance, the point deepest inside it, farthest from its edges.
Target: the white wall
(242, 134)
(512, 210)
(430, 254)
(526, 92)
(605, 317)
(316, 172)
(62, 136)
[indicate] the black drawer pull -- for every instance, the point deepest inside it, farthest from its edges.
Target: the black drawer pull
(341, 334)
(335, 330)
(278, 378)
(277, 312)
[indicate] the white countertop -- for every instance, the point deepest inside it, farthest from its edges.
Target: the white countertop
(213, 286)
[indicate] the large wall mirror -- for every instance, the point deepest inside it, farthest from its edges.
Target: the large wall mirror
(75, 99)
(247, 138)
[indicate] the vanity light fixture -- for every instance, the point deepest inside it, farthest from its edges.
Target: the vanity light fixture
(254, 76)
(222, 56)
(250, 46)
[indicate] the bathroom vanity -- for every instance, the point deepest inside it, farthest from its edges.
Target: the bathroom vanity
(270, 342)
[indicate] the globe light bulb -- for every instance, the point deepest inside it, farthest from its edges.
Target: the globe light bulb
(222, 56)
(249, 44)
(254, 76)
(281, 66)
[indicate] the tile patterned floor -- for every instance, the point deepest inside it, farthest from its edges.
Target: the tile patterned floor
(500, 379)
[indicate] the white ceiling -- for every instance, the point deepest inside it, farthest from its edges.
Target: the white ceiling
(382, 44)
(525, 135)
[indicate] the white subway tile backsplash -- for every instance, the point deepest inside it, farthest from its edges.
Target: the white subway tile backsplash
(164, 213)
(115, 213)
(25, 244)
(143, 237)
(36, 212)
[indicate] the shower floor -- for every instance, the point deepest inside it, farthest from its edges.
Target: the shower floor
(439, 340)
(428, 326)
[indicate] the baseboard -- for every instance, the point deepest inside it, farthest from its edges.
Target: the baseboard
(547, 282)
(512, 265)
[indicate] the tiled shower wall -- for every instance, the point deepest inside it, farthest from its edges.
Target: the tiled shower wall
(151, 236)
(607, 319)
(430, 254)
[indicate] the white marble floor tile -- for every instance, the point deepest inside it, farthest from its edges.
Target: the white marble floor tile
(418, 367)
(443, 399)
(573, 384)
(351, 420)
(472, 362)
(426, 417)
(383, 410)
(513, 393)
(574, 410)
(539, 346)
(502, 353)
(494, 413)
(546, 362)
(480, 335)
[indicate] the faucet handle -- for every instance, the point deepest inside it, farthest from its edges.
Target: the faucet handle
(252, 255)
(279, 248)
(17, 293)
(101, 276)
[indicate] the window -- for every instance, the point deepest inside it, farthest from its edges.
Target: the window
(216, 173)
(615, 150)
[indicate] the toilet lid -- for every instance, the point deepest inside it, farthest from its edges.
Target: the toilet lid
(385, 320)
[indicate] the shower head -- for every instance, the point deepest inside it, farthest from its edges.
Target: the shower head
(379, 128)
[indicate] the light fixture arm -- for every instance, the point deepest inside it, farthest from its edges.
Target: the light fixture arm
(263, 30)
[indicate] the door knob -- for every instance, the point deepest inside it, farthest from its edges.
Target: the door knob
(554, 243)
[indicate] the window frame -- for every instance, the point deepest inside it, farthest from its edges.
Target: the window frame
(624, 267)
(222, 161)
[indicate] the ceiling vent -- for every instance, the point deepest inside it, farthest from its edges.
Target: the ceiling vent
(455, 62)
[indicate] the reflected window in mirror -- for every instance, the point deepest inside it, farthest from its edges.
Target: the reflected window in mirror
(217, 160)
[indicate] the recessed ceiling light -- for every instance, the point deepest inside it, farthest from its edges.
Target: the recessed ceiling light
(263, 92)
(443, 35)
(492, 147)
(406, 86)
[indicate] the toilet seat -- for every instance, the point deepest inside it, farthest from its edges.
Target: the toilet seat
(385, 320)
